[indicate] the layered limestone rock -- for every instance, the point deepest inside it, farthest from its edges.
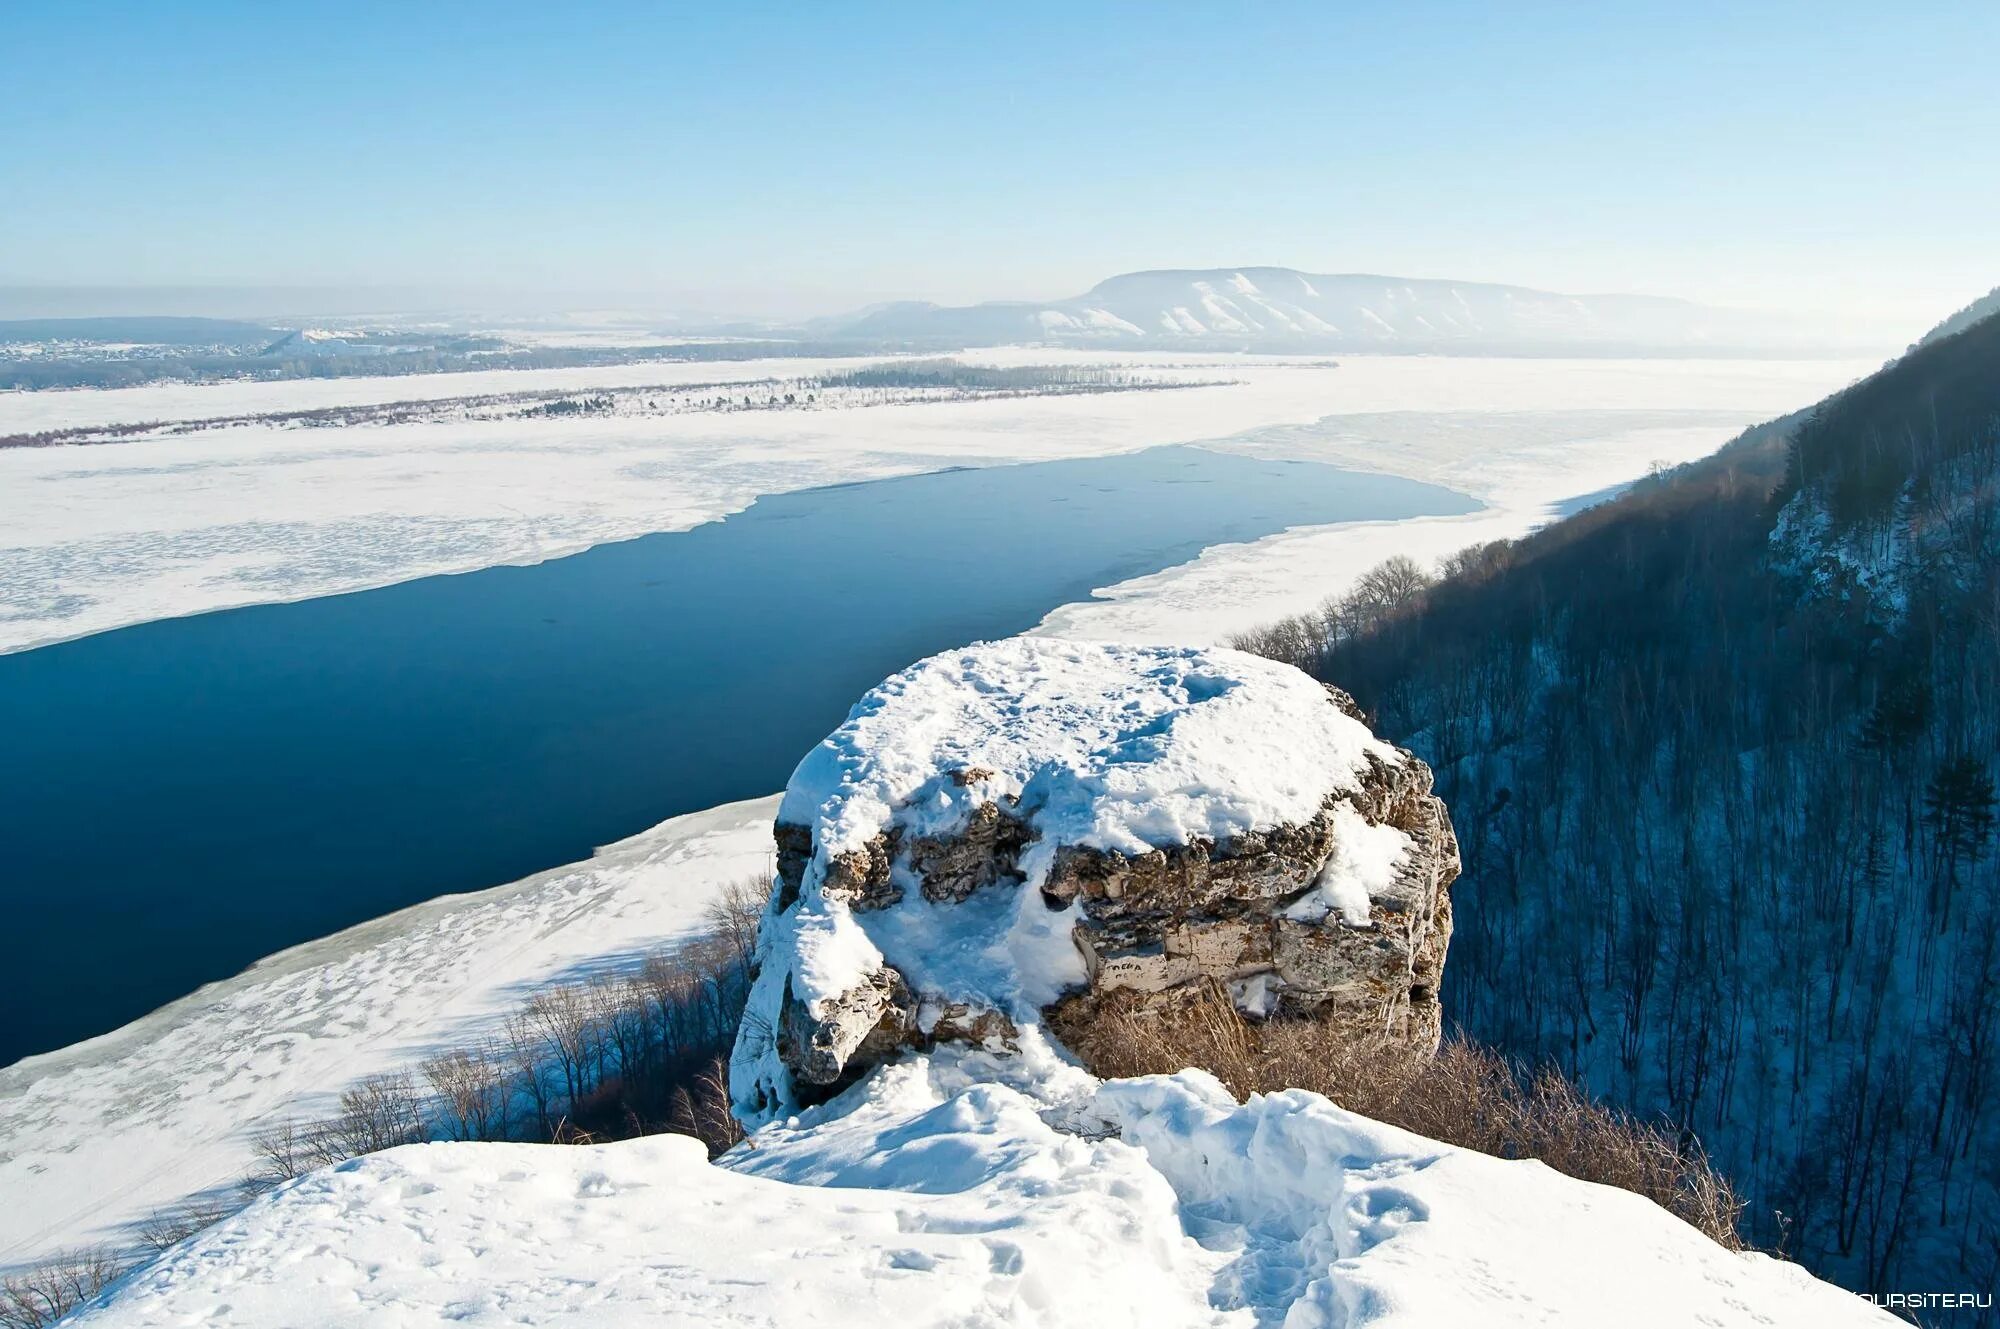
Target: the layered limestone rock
(1033, 827)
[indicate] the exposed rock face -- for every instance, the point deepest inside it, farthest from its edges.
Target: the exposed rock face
(861, 1027)
(1340, 912)
(1230, 912)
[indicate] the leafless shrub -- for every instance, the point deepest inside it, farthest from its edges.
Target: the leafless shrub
(1389, 589)
(579, 1063)
(169, 1227)
(1299, 640)
(44, 1293)
(566, 1131)
(379, 1113)
(732, 916)
(1465, 1095)
(285, 1150)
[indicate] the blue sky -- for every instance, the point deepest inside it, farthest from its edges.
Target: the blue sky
(816, 156)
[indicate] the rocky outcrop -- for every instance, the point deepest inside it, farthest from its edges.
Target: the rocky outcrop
(1340, 912)
(1231, 912)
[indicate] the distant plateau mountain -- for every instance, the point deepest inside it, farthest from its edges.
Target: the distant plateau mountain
(1267, 308)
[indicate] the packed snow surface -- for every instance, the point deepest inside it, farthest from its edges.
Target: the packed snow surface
(1112, 747)
(963, 1190)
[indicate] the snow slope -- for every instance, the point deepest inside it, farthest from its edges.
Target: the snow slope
(95, 537)
(103, 1133)
(963, 1191)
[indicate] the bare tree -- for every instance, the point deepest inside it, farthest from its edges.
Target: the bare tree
(734, 913)
(563, 1019)
(1385, 589)
(379, 1113)
(469, 1090)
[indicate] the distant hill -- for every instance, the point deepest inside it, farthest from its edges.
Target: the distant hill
(1985, 307)
(1281, 309)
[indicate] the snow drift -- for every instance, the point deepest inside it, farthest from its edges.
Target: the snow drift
(961, 1189)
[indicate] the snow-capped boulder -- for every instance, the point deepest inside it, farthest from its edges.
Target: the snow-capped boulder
(1036, 824)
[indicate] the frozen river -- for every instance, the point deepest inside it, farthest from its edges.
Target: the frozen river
(191, 794)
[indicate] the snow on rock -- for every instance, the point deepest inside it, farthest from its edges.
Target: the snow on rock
(1123, 748)
(1015, 825)
(960, 1190)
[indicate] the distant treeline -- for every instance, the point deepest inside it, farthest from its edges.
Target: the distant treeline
(38, 373)
(946, 373)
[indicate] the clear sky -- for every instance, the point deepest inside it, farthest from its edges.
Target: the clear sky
(802, 158)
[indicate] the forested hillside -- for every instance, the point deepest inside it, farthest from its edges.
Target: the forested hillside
(1720, 754)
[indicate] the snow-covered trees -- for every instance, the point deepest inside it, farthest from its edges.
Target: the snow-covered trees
(1726, 803)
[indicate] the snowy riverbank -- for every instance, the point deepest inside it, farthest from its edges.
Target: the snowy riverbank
(96, 1137)
(104, 535)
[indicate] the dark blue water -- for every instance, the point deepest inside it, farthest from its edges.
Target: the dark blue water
(180, 798)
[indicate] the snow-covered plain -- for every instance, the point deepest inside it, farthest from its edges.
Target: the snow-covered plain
(961, 1191)
(99, 536)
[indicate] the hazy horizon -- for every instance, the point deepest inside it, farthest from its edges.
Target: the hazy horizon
(699, 311)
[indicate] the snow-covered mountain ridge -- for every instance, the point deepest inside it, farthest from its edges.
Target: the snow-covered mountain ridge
(1280, 308)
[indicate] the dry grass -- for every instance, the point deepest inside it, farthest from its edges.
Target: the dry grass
(1466, 1095)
